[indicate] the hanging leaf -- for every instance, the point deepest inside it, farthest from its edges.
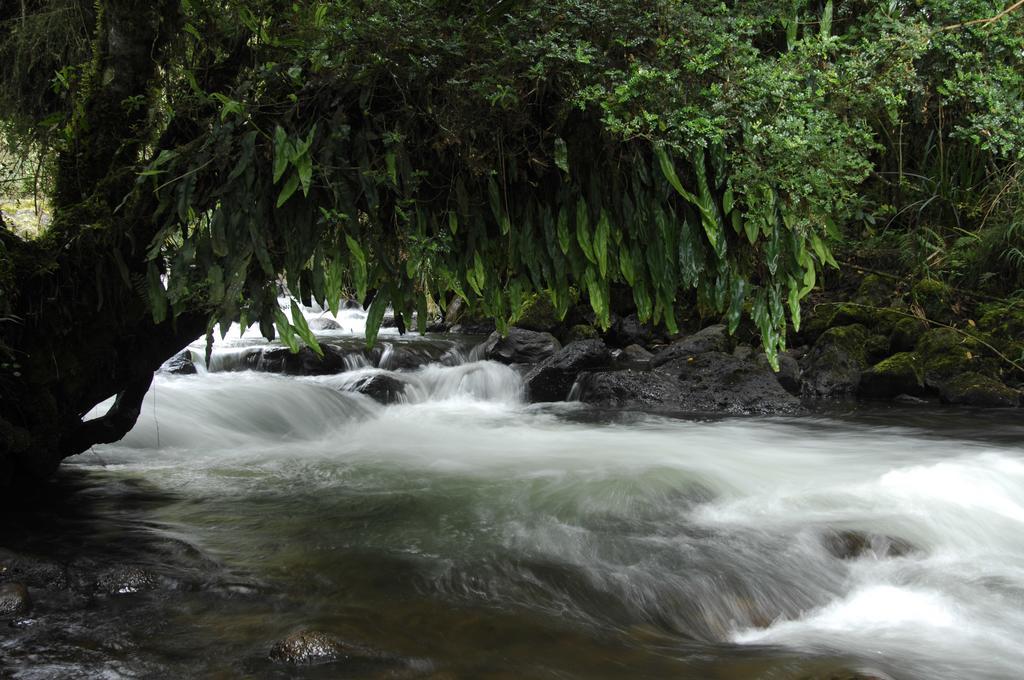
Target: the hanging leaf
(669, 170)
(303, 330)
(375, 316)
(288, 189)
(358, 265)
(563, 230)
(583, 231)
(282, 152)
(285, 331)
(601, 243)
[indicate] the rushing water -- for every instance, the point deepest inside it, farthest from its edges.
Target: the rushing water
(489, 538)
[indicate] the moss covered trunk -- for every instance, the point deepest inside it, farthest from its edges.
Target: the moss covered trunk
(80, 331)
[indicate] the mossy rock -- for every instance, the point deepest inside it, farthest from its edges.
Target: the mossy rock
(833, 314)
(975, 389)
(580, 332)
(1002, 319)
(538, 314)
(875, 291)
(906, 333)
(934, 297)
(946, 353)
(899, 374)
(876, 348)
(833, 366)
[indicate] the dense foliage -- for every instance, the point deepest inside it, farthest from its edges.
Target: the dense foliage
(699, 153)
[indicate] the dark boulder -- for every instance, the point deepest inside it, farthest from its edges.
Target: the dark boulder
(788, 374)
(399, 358)
(906, 333)
(180, 364)
(383, 388)
(552, 379)
(580, 331)
(303, 362)
(946, 354)
(629, 388)
(633, 356)
(628, 330)
(975, 389)
(14, 600)
(125, 580)
(899, 374)
(711, 339)
(520, 346)
(832, 368)
(715, 382)
(33, 571)
(460, 319)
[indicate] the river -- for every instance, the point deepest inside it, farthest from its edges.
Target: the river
(478, 536)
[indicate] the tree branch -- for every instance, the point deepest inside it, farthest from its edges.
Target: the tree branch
(988, 20)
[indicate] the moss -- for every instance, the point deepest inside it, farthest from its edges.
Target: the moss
(975, 389)
(905, 334)
(538, 314)
(899, 374)
(1002, 319)
(849, 339)
(581, 332)
(946, 353)
(934, 298)
(876, 347)
(874, 291)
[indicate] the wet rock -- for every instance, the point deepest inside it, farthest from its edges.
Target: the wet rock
(460, 319)
(552, 379)
(323, 323)
(311, 647)
(14, 600)
(125, 580)
(743, 352)
(899, 374)
(833, 366)
(34, 572)
(849, 545)
(180, 364)
(715, 382)
(383, 388)
(629, 388)
(520, 346)
(398, 358)
(788, 374)
(634, 356)
(711, 339)
(303, 362)
(974, 389)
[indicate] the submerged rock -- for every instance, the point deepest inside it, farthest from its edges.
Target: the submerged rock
(833, 366)
(398, 358)
(125, 580)
(849, 545)
(383, 388)
(14, 600)
(974, 389)
(520, 346)
(312, 647)
(552, 379)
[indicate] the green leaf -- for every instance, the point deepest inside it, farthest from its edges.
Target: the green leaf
(215, 277)
(390, 160)
(564, 239)
(626, 266)
(453, 223)
(282, 153)
(288, 189)
(374, 317)
(285, 330)
(304, 166)
(669, 170)
(583, 231)
(739, 292)
(359, 265)
(302, 328)
(601, 243)
(561, 155)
